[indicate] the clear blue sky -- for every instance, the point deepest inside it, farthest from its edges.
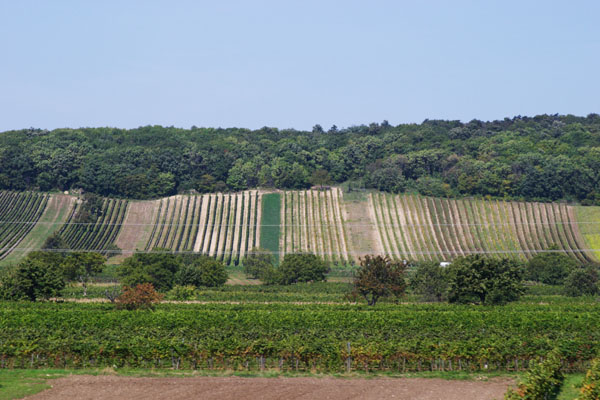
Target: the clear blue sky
(293, 63)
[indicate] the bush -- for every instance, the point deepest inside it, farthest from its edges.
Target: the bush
(157, 268)
(298, 267)
(182, 293)
(542, 381)
(483, 280)
(430, 281)
(379, 277)
(140, 297)
(550, 268)
(591, 383)
(258, 263)
(582, 281)
(32, 279)
(203, 271)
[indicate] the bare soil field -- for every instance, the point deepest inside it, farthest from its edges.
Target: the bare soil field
(224, 388)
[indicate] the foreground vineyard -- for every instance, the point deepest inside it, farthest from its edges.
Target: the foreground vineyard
(312, 222)
(425, 228)
(19, 213)
(287, 336)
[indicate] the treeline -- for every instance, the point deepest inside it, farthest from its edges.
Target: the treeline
(547, 157)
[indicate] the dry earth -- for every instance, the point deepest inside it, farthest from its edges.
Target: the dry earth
(224, 388)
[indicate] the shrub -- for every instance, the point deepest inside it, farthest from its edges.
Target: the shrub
(140, 297)
(32, 279)
(591, 383)
(379, 277)
(182, 293)
(483, 280)
(299, 267)
(258, 262)
(157, 268)
(550, 268)
(203, 271)
(582, 281)
(542, 381)
(430, 281)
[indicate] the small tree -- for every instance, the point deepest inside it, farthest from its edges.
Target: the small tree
(158, 268)
(582, 281)
(31, 280)
(550, 268)
(300, 267)
(202, 271)
(483, 280)
(379, 277)
(320, 177)
(140, 297)
(430, 281)
(590, 390)
(82, 266)
(543, 380)
(258, 263)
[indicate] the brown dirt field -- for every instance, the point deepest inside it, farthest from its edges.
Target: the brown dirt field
(137, 227)
(224, 388)
(361, 228)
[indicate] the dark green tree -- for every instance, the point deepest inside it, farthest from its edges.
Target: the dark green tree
(430, 281)
(299, 267)
(202, 271)
(82, 266)
(582, 281)
(32, 279)
(157, 267)
(484, 280)
(550, 268)
(258, 263)
(379, 277)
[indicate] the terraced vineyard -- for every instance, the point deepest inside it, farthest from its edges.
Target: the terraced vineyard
(19, 213)
(224, 226)
(425, 228)
(99, 235)
(312, 221)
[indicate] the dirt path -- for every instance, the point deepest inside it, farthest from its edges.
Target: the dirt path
(224, 388)
(361, 227)
(137, 227)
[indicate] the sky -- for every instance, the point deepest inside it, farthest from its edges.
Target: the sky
(293, 64)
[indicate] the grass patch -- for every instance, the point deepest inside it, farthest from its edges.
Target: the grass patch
(590, 219)
(571, 387)
(270, 223)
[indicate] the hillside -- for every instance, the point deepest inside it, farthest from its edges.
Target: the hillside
(338, 226)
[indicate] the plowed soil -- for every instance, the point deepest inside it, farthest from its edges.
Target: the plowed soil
(235, 388)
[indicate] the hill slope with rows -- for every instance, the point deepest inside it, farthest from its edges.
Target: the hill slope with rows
(340, 227)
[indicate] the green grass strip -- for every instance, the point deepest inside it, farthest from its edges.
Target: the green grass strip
(270, 223)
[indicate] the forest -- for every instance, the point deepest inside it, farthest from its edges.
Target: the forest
(541, 158)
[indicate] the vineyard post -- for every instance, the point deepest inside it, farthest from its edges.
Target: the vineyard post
(349, 358)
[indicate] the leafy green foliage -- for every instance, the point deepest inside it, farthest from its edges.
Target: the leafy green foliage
(542, 381)
(258, 263)
(157, 267)
(582, 281)
(379, 277)
(140, 297)
(182, 293)
(546, 157)
(82, 266)
(550, 268)
(202, 271)
(32, 279)
(590, 389)
(483, 280)
(298, 267)
(430, 281)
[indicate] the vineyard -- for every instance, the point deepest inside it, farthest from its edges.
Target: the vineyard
(426, 228)
(225, 226)
(99, 235)
(19, 213)
(289, 337)
(312, 222)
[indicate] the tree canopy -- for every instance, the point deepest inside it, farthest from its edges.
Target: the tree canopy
(546, 157)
